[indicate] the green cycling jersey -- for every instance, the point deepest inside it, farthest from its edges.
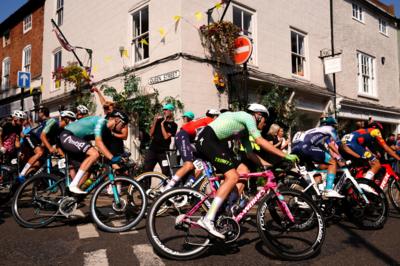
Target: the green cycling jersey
(88, 127)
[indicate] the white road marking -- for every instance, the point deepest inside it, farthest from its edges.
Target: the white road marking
(96, 258)
(79, 213)
(146, 256)
(87, 231)
(130, 232)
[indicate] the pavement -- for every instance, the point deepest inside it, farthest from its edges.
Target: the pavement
(79, 242)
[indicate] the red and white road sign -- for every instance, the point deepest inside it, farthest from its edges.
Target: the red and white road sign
(243, 49)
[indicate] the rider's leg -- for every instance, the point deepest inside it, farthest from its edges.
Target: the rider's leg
(330, 178)
(375, 166)
(186, 168)
(92, 157)
(242, 169)
(39, 151)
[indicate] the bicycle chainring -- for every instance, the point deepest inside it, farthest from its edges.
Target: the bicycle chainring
(67, 206)
(228, 227)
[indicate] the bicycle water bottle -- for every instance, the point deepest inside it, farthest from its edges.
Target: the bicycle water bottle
(87, 183)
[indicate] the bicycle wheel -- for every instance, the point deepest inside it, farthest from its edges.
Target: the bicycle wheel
(372, 215)
(286, 239)
(151, 182)
(117, 217)
(394, 193)
(36, 201)
(172, 234)
(8, 183)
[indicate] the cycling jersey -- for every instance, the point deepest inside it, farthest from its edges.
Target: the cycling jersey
(362, 138)
(88, 128)
(236, 124)
(192, 126)
(52, 130)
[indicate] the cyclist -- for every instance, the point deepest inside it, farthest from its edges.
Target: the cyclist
(74, 140)
(34, 144)
(319, 146)
(211, 144)
(81, 111)
(362, 142)
(183, 141)
(10, 134)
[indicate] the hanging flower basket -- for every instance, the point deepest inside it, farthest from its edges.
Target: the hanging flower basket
(73, 74)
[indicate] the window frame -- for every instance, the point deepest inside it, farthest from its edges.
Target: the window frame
(24, 63)
(6, 41)
(366, 69)
(25, 29)
(383, 23)
(59, 12)
(252, 36)
(297, 54)
(359, 16)
(135, 40)
(56, 51)
(3, 83)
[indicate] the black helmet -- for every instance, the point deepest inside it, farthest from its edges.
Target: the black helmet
(376, 125)
(121, 115)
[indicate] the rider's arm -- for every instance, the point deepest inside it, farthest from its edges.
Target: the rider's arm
(348, 150)
(102, 148)
(123, 135)
(265, 145)
(17, 143)
(378, 136)
(46, 130)
(257, 159)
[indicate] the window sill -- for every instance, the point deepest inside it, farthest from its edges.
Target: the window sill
(26, 31)
(384, 34)
(368, 96)
(360, 21)
(141, 62)
(301, 78)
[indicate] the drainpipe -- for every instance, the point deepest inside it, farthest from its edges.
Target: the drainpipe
(333, 53)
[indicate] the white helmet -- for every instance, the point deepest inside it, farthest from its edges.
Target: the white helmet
(19, 114)
(68, 114)
(212, 112)
(82, 109)
(256, 107)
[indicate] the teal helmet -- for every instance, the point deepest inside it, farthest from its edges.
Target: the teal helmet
(327, 121)
(189, 115)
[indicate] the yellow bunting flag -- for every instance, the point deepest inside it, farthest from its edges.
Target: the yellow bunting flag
(94, 69)
(107, 59)
(30, 90)
(58, 84)
(144, 42)
(198, 15)
(125, 53)
(42, 88)
(161, 31)
(85, 74)
(177, 18)
(218, 6)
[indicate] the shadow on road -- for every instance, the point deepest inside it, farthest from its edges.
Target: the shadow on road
(359, 241)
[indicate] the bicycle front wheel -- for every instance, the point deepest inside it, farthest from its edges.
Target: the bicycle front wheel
(151, 182)
(36, 202)
(394, 193)
(287, 239)
(175, 234)
(118, 213)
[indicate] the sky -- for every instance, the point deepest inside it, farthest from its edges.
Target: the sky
(7, 7)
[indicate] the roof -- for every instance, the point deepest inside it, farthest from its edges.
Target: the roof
(388, 10)
(18, 15)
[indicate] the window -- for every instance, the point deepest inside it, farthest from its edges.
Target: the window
(358, 12)
(298, 53)
(26, 59)
(57, 61)
(140, 41)
(244, 20)
(5, 75)
(27, 23)
(60, 12)
(383, 26)
(366, 74)
(6, 38)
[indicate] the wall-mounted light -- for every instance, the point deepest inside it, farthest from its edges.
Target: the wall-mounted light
(383, 59)
(121, 50)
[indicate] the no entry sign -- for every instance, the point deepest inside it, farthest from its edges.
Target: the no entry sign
(243, 49)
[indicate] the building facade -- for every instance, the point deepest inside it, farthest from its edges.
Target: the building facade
(21, 49)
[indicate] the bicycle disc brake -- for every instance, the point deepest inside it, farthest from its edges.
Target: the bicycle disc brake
(228, 227)
(120, 207)
(67, 206)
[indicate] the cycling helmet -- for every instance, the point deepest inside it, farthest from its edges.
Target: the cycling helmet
(19, 114)
(327, 121)
(212, 112)
(82, 109)
(376, 125)
(258, 108)
(121, 115)
(68, 114)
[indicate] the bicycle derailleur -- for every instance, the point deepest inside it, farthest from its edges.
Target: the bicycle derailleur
(67, 206)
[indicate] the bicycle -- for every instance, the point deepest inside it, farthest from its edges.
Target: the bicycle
(8, 179)
(279, 214)
(43, 198)
(365, 204)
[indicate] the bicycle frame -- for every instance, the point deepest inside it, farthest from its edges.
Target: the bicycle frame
(389, 173)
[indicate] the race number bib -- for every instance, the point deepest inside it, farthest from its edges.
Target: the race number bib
(198, 164)
(347, 138)
(61, 163)
(299, 136)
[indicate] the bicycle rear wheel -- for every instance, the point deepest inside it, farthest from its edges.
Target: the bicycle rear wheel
(173, 234)
(151, 182)
(36, 201)
(286, 239)
(394, 193)
(115, 217)
(8, 183)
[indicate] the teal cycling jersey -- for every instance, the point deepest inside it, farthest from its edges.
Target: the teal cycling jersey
(236, 124)
(88, 128)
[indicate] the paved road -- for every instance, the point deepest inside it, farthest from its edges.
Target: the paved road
(78, 242)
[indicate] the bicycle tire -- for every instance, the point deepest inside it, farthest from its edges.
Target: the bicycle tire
(9, 184)
(360, 219)
(151, 193)
(394, 188)
(273, 240)
(36, 181)
(153, 234)
(133, 186)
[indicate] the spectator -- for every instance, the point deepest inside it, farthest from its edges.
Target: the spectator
(284, 144)
(161, 131)
(10, 134)
(108, 106)
(272, 135)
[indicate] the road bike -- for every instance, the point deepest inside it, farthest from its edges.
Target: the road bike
(281, 215)
(45, 197)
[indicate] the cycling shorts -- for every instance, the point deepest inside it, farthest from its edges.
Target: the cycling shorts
(182, 142)
(312, 153)
(73, 144)
(215, 151)
(360, 150)
(33, 141)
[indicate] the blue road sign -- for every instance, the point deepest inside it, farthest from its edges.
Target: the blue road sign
(24, 79)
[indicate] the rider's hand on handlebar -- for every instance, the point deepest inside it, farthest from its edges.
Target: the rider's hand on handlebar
(341, 162)
(116, 159)
(292, 158)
